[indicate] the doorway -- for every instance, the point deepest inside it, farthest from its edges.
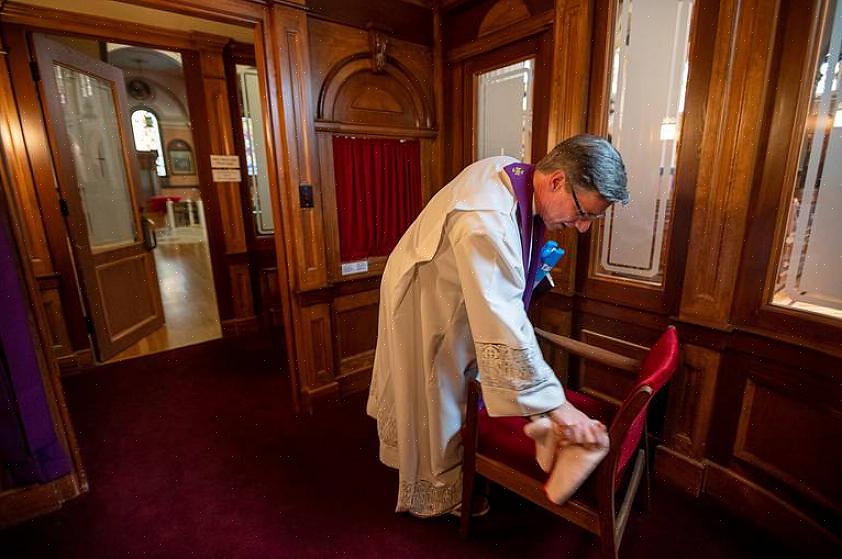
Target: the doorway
(120, 126)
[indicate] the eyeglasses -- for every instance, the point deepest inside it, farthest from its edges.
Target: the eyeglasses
(582, 214)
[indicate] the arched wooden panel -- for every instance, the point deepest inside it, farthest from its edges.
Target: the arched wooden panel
(353, 93)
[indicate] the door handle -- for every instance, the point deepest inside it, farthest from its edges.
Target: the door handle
(150, 241)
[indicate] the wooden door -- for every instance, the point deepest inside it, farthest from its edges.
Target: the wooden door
(93, 152)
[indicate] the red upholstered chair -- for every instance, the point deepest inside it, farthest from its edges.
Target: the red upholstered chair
(498, 450)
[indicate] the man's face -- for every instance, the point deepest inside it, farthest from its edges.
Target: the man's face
(560, 207)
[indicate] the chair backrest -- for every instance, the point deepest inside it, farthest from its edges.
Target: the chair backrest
(656, 370)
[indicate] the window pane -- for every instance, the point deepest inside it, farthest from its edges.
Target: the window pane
(252, 114)
(649, 75)
(810, 266)
(147, 137)
(91, 120)
(504, 111)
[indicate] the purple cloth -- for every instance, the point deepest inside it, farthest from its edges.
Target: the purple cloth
(29, 449)
(531, 225)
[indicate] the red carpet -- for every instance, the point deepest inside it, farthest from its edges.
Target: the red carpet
(197, 454)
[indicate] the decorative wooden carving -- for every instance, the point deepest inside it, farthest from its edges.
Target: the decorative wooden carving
(378, 41)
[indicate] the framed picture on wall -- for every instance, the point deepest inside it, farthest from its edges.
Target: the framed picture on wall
(180, 158)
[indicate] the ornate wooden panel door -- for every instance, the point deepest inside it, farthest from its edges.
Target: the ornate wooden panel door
(85, 104)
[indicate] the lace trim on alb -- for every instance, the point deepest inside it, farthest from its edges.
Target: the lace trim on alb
(510, 368)
(423, 498)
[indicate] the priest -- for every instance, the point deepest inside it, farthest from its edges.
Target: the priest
(453, 303)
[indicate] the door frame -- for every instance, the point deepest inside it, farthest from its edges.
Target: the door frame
(19, 18)
(264, 21)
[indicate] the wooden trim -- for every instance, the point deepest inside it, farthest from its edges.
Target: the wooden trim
(39, 330)
(748, 499)
(372, 130)
(679, 471)
(753, 311)
(20, 505)
(729, 150)
(243, 12)
(568, 106)
(71, 23)
(524, 29)
(290, 39)
(439, 147)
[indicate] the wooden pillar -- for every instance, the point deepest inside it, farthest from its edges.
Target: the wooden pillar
(227, 238)
(298, 206)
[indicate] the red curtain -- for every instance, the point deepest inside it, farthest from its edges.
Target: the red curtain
(378, 193)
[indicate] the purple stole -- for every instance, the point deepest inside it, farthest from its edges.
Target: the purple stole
(531, 225)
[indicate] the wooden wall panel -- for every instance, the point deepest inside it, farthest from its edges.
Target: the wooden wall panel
(291, 37)
(729, 150)
(690, 408)
(786, 434)
(315, 347)
(604, 382)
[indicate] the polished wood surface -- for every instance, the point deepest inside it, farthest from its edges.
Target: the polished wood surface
(189, 300)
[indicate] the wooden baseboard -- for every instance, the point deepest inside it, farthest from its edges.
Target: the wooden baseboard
(313, 398)
(235, 327)
(679, 471)
(771, 513)
(76, 361)
(19, 505)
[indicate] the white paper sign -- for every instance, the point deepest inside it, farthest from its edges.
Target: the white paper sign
(226, 175)
(358, 267)
(225, 162)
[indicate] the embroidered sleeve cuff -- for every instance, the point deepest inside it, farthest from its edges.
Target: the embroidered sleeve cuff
(540, 399)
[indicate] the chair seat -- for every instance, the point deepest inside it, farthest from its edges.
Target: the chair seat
(502, 438)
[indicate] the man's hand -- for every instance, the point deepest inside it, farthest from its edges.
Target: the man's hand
(577, 428)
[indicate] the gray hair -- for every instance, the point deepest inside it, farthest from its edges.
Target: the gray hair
(591, 163)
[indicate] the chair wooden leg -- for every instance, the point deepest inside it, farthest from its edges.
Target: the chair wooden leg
(607, 540)
(644, 500)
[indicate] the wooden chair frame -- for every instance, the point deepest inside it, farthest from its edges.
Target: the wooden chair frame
(604, 520)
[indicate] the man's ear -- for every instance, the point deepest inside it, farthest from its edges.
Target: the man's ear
(558, 179)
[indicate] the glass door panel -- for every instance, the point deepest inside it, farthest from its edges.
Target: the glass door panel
(90, 118)
(504, 111)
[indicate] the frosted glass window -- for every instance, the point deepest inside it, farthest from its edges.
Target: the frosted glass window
(646, 104)
(504, 111)
(809, 274)
(256, 161)
(147, 137)
(90, 117)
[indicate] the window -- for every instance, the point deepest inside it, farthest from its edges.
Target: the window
(646, 104)
(809, 266)
(255, 148)
(504, 111)
(147, 137)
